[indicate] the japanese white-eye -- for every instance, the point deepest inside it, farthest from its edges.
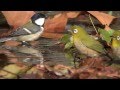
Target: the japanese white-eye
(86, 44)
(115, 44)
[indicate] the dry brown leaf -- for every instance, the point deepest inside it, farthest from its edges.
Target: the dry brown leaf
(56, 24)
(107, 27)
(12, 43)
(59, 66)
(5, 32)
(52, 35)
(93, 62)
(72, 14)
(63, 70)
(84, 75)
(34, 43)
(104, 18)
(109, 72)
(17, 18)
(9, 56)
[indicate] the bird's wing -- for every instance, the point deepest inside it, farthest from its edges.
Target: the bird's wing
(26, 30)
(93, 44)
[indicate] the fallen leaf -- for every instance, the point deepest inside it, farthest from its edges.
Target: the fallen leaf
(7, 75)
(46, 72)
(10, 56)
(109, 72)
(104, 18)
(30, 76)
(56, 24)
(115, 24)
(17, 18)
(52, 35)
(93, 62)
(32, 73)
(11, 71)
(84, 75)
(33, 70)
(63, 70)
(5, 32)
(72, 14)
(107, 28)
(12, 43)
(3, 60)
(34, 43)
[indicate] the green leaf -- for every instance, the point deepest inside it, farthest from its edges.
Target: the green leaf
(69, 56)
(106, 35)
(68, 45)
(111, 31)
(65, 39)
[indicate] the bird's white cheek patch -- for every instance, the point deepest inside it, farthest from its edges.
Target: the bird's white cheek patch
(40, 21)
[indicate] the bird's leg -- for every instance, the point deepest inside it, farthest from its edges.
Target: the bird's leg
(74, 61)
(11, 27)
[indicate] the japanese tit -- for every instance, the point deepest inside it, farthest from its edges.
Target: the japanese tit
(30, 31)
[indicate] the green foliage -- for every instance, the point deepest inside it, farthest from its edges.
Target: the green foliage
(68, 45)
(69, 55)
(106, 35)
(65, 39)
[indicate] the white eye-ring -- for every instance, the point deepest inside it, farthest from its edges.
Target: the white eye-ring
(118, 37)
(75, 31)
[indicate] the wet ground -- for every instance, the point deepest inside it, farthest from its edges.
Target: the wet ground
(48, 49)
(51, 53)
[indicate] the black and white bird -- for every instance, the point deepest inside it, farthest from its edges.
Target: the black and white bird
(30, 31)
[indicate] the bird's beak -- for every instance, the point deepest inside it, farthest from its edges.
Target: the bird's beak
(70, 31)
(68, 28)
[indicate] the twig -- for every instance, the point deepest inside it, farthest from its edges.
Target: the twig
(93, 24)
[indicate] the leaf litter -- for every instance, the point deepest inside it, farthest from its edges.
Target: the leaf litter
(89, 68)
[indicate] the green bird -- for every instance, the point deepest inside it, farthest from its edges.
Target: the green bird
(115, 44)
(86, 44)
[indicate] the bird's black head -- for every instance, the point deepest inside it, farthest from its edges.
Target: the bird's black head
(38, 19)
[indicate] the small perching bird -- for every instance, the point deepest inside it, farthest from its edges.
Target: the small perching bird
(30, 31)
(86, 44)
(115, 44)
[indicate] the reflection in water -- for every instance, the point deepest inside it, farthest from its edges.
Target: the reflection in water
(45, 51)
(26, 54)
(53, 54)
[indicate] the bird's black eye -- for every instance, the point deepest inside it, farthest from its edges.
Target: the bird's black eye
(118, 37)
(75, 31)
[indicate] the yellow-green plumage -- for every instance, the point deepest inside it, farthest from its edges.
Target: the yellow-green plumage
(115, 44)
(85, 43)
